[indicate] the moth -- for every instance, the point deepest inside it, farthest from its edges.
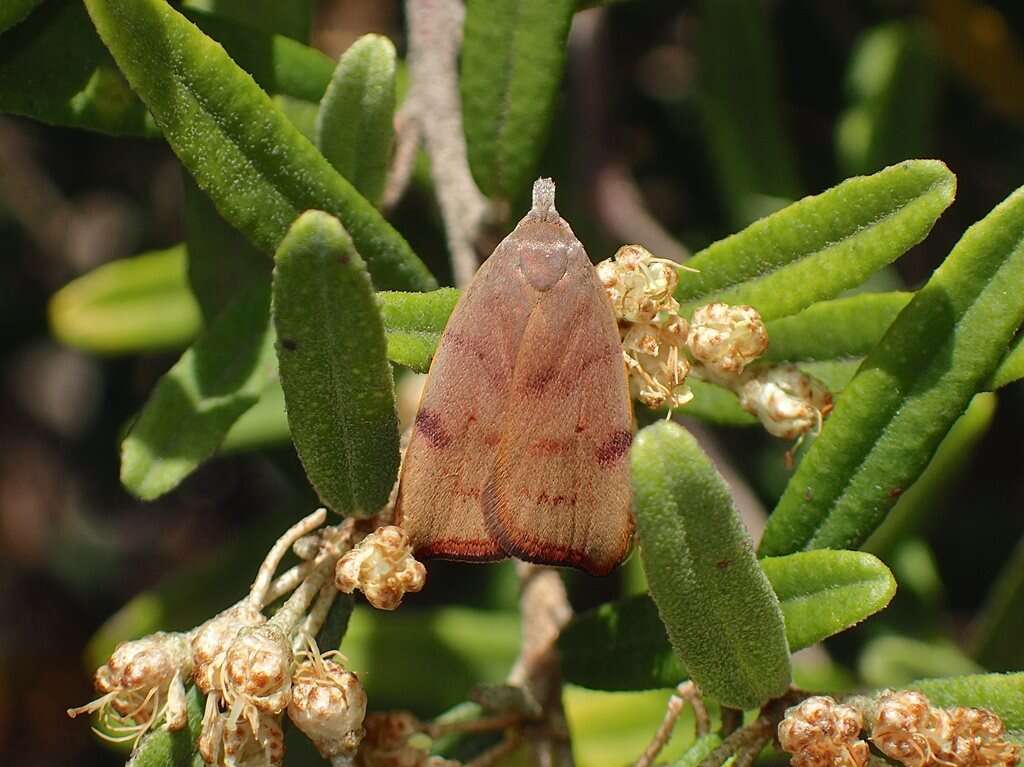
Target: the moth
(520, 445)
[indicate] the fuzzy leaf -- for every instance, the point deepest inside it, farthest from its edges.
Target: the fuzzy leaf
(738, 96)
(254, 164)
(196, 402)
(138, 303)
(161, 748)
(623, 645)
(15, 11)
(334, 371)
(718, 607)
(1000, 693)
(265, 424)
(513, 53)
(908, 392)
(83, 88)
(292, 18)
(414, 323)
(1011, 368)
(820, 246)
(355, 124)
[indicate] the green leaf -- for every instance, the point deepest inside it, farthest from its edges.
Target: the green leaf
(83, 88)
(292, 18)
(138, 303)
(220, 259)
(822, 245)
(334, 370)
(1002, 694)
(922, 502)
(355, 125)
(414, 323)
(623, 646)
(700, 750)
(80, 88)
(738, 96)
(716, 405)
(1011, 368)
(895, 661)
(718, 607)
(996, 643)
(513, 54)
(197, 401)
(908, 392)
(263, 425)
(161, 748)
(839, 329)
(254, 164)
(14, 11)
(893, 83)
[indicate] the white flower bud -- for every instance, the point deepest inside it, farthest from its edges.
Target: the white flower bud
(382, 567)
(822, 733)
(726, 338)
(328, 704)
(787, 401)
(142, 682)
(213, 639)
(639, 285)
(256, 675)
(659, 380)
(226, 744)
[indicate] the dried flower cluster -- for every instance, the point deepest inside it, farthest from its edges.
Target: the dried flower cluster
(382, 567)
(902, 725)
(246, 664)
(718, 344)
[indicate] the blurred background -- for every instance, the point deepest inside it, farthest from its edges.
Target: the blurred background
(679, 123)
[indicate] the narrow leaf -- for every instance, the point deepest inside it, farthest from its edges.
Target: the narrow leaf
(334, 370)
(513, 53)
(997, 637)
(263, 425)
(1011, 368)
(927, 497)
(822, 245)
(699, 750)
(161, 748)
(1000, 693)
(895, 661)
(355, 125)
(83, 88)
(292, 18)
(738, 96)
(138, 303)
(254, 164)
(623, 645)
(220, 259)
(14, 11)
(196, 402)
(414, 323)
(718, 607)
(908, 393)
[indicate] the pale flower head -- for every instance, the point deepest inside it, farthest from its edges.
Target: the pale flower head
(256, 675)
(211, 642)
(226, 744)
(787, 401)
(727, 338)
(382, 567)
(822, 733)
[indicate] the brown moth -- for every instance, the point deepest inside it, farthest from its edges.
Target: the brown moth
(520, 444)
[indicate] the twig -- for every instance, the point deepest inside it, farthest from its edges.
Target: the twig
(545, 610)
(408, 135)
(757, 732)
(617, 202)
(685, 693)
(484, 724)
(260, 586)
(494, 754)
(434, 104)
(314, 621)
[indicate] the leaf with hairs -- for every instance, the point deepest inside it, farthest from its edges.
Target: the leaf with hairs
(256, 167)
(334, 371)
(161, 748)
(623, 645)
(355, 124)
(513, 53)
(820, 246)
(911, 388)
(717, 605)
(414, 323)
(292, 18)
(1002, 694)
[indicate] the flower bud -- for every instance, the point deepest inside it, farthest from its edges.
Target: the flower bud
(213, 639)
(726, 338)
(382, 567)
(788, 402)
(224, 744)
(386, 741)
(142, 681)
(328, 704)
(638, 284)
(256, 677)
(822, 733)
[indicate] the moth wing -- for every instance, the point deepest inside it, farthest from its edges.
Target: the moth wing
(559, 491)
(458, 426)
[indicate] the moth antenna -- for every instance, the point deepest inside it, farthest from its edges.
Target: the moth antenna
(544, 199)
